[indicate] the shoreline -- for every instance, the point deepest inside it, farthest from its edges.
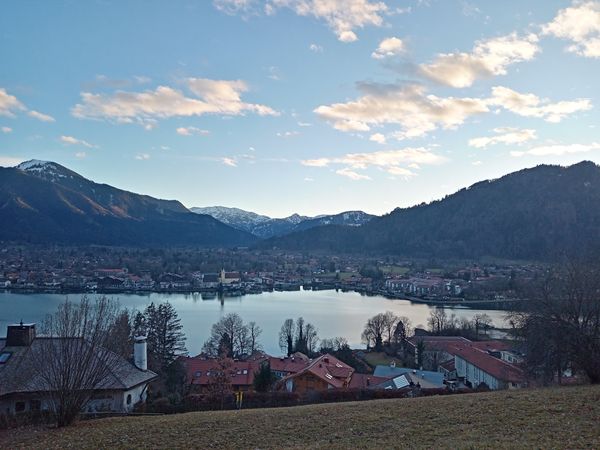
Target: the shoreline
(506, 304)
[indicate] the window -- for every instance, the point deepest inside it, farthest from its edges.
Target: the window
(198, 374)
(19, 406)
(129, 399)
(35, 405)
(4, 356)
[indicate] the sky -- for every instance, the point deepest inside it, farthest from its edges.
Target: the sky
(299, 106)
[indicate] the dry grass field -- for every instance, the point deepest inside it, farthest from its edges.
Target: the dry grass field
(567, 417)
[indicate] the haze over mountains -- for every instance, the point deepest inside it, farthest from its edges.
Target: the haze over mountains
(266, 227)
(530, 214)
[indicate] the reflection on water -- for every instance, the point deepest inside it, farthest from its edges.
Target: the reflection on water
(333, 313)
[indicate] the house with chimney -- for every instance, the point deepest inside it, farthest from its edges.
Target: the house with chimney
(322, 373)
(22, 390)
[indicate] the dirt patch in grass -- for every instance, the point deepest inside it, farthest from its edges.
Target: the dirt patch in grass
(567, 417)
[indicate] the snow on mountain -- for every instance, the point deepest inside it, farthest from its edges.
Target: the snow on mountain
(265, 227)
(231, 216)
(48, 170)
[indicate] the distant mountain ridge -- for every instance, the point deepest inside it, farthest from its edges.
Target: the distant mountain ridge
(44, 202)
(530, 214)
(266, 227)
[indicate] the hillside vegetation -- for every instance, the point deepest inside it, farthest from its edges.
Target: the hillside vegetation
(565, 417)
(44, 202)
(531, 214)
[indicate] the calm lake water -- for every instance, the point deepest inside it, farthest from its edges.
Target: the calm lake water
(333, 313)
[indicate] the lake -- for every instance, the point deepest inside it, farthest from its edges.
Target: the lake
(333, 313)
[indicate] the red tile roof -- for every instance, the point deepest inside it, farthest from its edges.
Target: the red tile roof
(288, 364)
(329, 369)
(200, 371)
(364, 381)
(449, 343)
(499, 369)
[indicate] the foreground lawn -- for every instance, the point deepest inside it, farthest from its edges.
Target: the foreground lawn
(567, 417)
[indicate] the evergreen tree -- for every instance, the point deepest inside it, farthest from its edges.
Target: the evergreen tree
(264, 378)
(165, 339)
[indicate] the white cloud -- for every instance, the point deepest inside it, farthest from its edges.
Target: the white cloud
(316, 48)
(530, 105)
(40, 116)
(10, 161)
(377, 137)
(309, 179)
(581, 24)
(395, 162)
(319, 162)
(232, 7)
(477, 163)
(274, 73)
(505, 135)
(389, 47)
(189, 131)
(9, 104)
(80, 155)
(304, 124)
(229, 162)
(488, 58)
(142, 156)
(287, 134)
(342, 16)
(400, 171)
(558, 149)
(349, 173)
(70, 140)
(209, 97)
(410, 107)
(6, 130)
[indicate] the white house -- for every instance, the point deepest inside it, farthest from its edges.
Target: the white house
(20, 386)
(476, 366)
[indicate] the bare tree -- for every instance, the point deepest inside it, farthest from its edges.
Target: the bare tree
(255, 331)
(219, 383)
(561, 321)
(402, 331)
(286, 336)
(389, 325)
(373, 332)
(71, 359)
(438, 320)
(229, 336)
(311, 338)
(120, 337)
(481, 322)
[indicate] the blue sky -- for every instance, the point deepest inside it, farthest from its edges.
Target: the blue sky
(308, 106)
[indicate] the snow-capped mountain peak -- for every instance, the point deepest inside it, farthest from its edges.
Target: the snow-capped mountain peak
(48, 170)
(35, 165)
(265, 227)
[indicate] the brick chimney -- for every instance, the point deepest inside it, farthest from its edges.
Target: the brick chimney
(20, 335)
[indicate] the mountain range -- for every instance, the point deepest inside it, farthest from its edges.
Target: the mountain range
(266, 227)
(536, 213)
(44, 202)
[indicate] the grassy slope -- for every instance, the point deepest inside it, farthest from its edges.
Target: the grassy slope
(544, 418)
